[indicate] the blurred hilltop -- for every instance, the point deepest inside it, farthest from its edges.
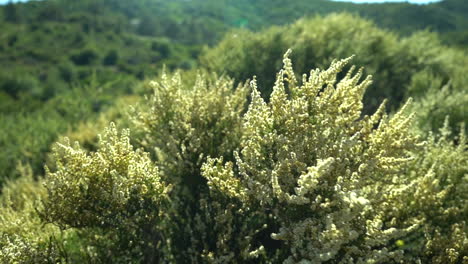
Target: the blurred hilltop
(66, 38)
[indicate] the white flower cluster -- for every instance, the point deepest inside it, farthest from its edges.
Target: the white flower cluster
(308, 157)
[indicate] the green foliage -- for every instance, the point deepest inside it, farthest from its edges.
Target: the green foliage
(113, 177)
(16, 86)
(39, 34)
(398, 64)
(439, 101)
(116, 189)
(85, 57)
(26, 139)
(111, 58)
(26, 136)
(67, 72)
(10, 13)
(24, 238)
(37, 67)
(162, 46)
(440, 189)
(315, 171)
(302, 177)
(182, 124)
(314, 168)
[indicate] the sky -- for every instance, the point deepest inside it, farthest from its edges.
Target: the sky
(383, 1)
(354, 1)
(6, 1)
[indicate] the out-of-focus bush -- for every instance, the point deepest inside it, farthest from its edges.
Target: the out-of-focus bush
(85, 57)
(162, 46)
(26, 136)
(15, 86)
(437, 101)
(395, 63)
(23, 236)
(111, 58)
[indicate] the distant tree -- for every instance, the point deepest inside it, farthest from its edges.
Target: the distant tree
(111, 58)
(51, 12)
(148, 27)
(85, 57)
(10, 13)
(162, 46)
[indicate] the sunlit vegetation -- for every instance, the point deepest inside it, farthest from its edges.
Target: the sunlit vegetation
(210, 131)
(417, 66)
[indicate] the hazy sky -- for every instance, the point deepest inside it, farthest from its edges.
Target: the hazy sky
(355, 1)
(6, 1)
(382, 1)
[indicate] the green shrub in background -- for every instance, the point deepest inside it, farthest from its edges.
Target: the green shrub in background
(162, 47)
(85, 57)
(111, 58)
(436, 101)
(27, 136)
(26, 139)
(15, 86)
(23, 237)
(397, 64)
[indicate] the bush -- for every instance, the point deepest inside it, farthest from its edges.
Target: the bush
(85, 57)
(439, 170)
(317, 172)
(111, 58)
(394, 61)
(67, 72)
(116, 189)
(162, 47)
(23, 238)
(15, 86)
(438, 102)
(26, 138)
(182, 124)
(302, 177)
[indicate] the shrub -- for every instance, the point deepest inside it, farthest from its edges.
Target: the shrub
(302, 177)
(111, 58)
(23, 238)
(15, 86)
(437, 101)
(67, 72)
(162, 47)
(116, 189)
(323, 176)
(181, 125)
(394, 61)
(26, 138)
(85, 57)
(439, 191)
